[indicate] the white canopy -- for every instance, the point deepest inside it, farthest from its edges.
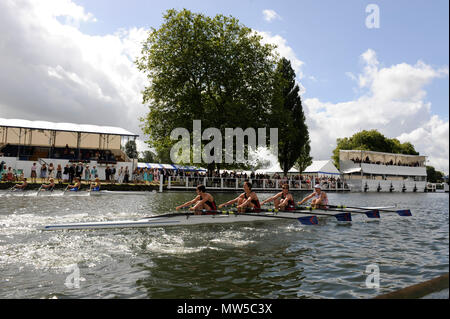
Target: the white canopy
(322, 168)
(67, 127)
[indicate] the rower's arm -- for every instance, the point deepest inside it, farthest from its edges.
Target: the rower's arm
(196, 199)
(305, 199)
(231, 202)
(271, 198)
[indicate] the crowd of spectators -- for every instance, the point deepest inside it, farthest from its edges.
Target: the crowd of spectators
(259, 180)
(66, 174)
(391, 162)
(87, 173)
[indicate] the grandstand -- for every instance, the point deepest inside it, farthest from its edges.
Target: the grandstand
(23, 142)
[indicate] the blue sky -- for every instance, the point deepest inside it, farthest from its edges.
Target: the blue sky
(75, 57)
(327, 35)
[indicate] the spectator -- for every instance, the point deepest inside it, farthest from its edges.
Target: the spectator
(121, 175)
(59, 173)
(126, 175)
(87, 174)
(107, 173)
(43, 174)
(79, 171)
(72, 170)
(33, 173)
(66, 173)
(113, 174)
(51, 169)
(94, 173)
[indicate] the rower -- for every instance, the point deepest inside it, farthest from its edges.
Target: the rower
(50, 186)
(320, 197)
(95, 186)
(283, 200)
(248, 199)
(21, 186)
(76, 187)
(203, 201)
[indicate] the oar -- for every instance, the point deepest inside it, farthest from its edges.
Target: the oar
(39, 190)
(66, 189)
(401, 212)
(307, 220)
(345, 216)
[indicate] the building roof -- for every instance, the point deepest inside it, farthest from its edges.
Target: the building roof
(66, 127)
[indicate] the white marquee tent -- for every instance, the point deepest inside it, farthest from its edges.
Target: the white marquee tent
(322, 168)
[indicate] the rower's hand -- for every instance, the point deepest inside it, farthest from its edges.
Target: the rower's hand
(178, 208)
(221, 205)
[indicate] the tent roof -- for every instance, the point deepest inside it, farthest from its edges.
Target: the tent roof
(171, 166)
(322, 167)
(66, 127)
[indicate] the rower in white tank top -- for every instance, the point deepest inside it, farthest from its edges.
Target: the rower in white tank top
(320, 198)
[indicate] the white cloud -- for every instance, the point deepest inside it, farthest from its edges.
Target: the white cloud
(270, 15)
(432, 138)
(52, 71)
(394, 104)
(284, 50)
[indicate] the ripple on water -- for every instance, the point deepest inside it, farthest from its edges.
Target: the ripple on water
(255, 260)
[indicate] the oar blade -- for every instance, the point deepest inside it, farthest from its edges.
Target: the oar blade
(344, 217)
(373, 213)
(308, 220)
(404, 212)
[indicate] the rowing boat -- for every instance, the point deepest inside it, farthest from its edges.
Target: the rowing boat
(188, 219)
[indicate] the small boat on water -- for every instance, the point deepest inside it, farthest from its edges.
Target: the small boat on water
(42, 193)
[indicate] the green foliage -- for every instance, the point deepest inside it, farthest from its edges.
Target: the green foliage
(304, 159)
(288, 116)
(148, 157)
(434, 176)
(212, 69)
(372, 141)
(131, 150)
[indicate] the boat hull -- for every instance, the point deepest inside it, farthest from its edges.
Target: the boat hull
(187, 220)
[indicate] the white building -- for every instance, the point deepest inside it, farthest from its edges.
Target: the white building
(369, 171)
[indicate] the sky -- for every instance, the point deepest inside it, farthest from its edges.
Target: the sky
(359, 68)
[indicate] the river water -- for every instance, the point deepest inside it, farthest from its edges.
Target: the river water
(273, 259)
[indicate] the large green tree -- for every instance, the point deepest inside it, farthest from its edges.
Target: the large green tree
(288, 115)
(305, 159)
(434, 176)
(131, 149)
(211, 69)
(372, 141)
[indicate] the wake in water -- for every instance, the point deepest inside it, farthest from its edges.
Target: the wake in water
(33, 193)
